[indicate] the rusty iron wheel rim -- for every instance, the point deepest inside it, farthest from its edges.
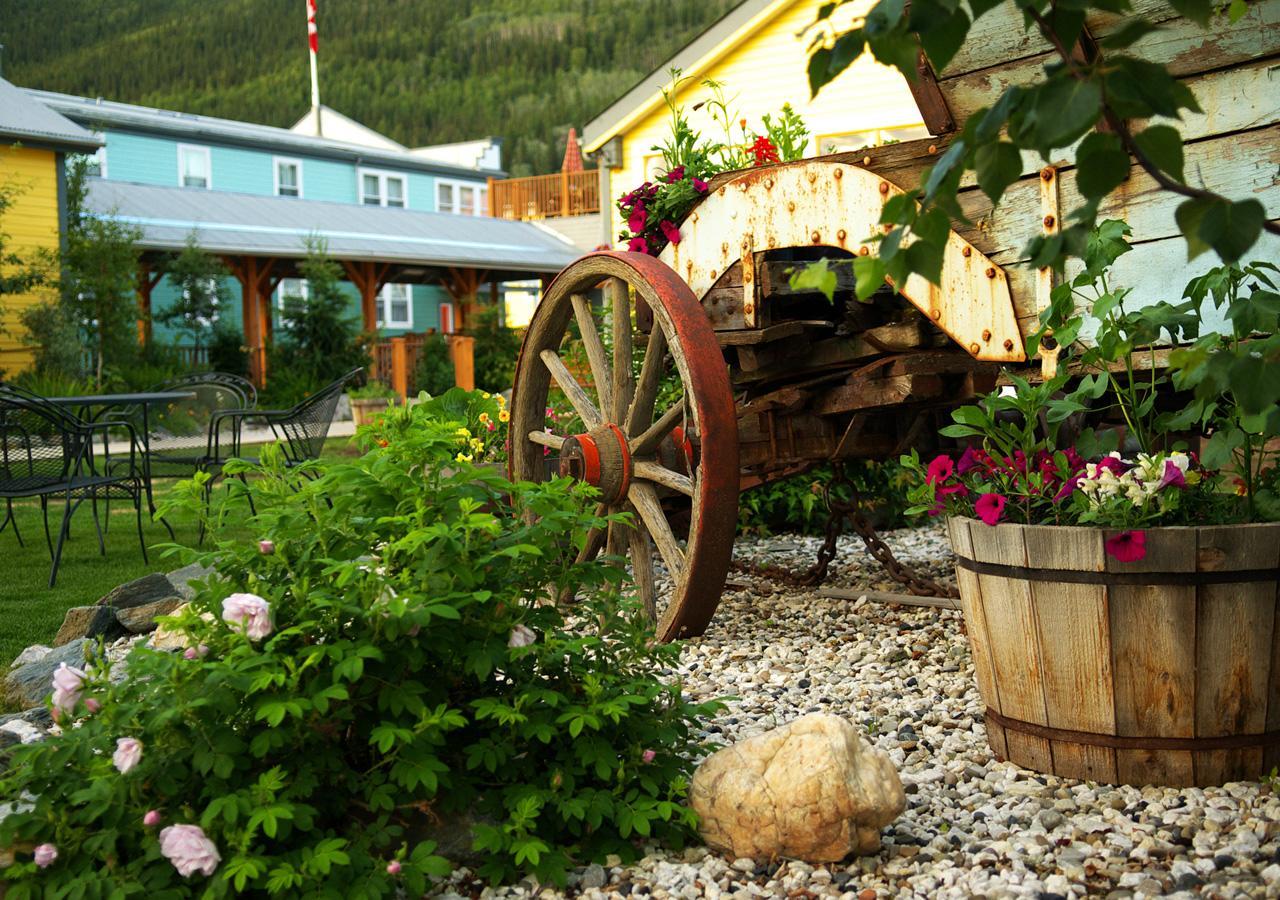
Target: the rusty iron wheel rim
(682, 334)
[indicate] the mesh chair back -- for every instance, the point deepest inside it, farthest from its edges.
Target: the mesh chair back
(237, 383)
(306, 425)
(179, 431)
(40, 444)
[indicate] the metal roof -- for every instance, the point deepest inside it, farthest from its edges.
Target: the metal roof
(253, 225)
(27, 119)
(103, 114)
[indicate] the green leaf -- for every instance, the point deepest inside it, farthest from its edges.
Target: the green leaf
(1128, 34)
(868, 273)
(1064, 109)
(1101, 165)
(1232, 229)
(941, 38)
(1162, 144)
(1189, 215)
(998, 165)
(816, 276)
(819, 70)
(942, 168)
(1197, 11)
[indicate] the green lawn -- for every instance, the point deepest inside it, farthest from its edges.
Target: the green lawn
(30, 612)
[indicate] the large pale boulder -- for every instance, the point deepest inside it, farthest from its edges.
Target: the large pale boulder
(811, 790)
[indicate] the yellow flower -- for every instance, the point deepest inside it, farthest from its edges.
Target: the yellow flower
(463, 432)
(502, 401)
(485, 394)
(504, 416)
(477, 444)
(463, 457)
(484, 417)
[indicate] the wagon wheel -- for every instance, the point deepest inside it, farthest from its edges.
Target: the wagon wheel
(680, 459)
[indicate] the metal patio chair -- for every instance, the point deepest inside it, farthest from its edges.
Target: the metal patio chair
(182, 441)
(46, 452)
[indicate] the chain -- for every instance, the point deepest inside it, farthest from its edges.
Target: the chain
(879, 550)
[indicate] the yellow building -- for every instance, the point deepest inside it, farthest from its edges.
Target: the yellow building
(759, 52)
(34, 143)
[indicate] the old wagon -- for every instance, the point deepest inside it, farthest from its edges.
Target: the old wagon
(774, 381)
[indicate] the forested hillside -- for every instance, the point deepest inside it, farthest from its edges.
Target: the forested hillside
(421, 71)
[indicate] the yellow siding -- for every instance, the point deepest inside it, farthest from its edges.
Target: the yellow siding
(768, 68)
(29, 225)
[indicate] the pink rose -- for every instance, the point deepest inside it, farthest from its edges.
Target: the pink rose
(151, 818)
(128, 754)
(990, 507)
(521, 636)
(266, 548)
(393, 867)
(648, 756)
(68, 682)
(249, 614)
(1127, 546)
(92, 705)
(193, 652)
(187, 847)
(45, 855)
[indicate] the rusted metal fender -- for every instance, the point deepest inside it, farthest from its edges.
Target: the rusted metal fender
(838, 205)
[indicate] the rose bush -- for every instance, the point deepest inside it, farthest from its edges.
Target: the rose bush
(392, 662)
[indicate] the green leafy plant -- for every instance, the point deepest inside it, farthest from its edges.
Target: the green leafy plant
(796, 503)
(199, 278)
(495, 350)
(434, 372)
(384, 662)
(479, 420)
(374, 390)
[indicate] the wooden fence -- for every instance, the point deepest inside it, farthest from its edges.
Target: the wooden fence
(395, 360)
(545, 196)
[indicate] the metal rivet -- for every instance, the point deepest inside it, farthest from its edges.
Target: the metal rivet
(884, 187)
(724, 249)
(748, 308)
(1008, 344)
(935, 314)
(863, 251)
(966, 252)
(1047, 173)
(974, 348)
(813, 176)
(768, 183)
(991, 272)
(815, 237)
(840, 235)
(839, 173)
(713, 274)
(791, 206)
(933, 148)
(1048, 221)
(887, 227)
(866, 160)
(986, 334)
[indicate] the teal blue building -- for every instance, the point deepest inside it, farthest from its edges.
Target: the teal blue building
(411, 225)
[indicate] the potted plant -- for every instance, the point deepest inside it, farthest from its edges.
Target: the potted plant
(369, 400)
(1119, 583)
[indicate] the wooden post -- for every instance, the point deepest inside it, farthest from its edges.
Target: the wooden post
(493, 201)
(400, 366)
(463, 350)
(147, 281)
(564, 193)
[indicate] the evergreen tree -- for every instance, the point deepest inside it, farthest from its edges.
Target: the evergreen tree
(198, 276)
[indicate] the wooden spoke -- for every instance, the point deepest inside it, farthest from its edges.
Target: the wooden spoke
(645, 500)
(642, 571)
(654, 434)
(651, 471)
(640, 413)
(595, 350)
(554, 441)
(578, 398)
(595, 538)
(616, 544)
(620, 312)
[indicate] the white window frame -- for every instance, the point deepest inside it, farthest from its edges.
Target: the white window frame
(305, 295)
(99, 156)
(384, 306)
(447, 307)
(276, 162)
(455, 185)
(208, 165)
(382, 175)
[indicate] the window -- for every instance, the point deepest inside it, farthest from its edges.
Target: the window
(394, 306)
(446, 318)
(194, 168)
(382, 189)
(291, 292)
(461, 198)
(875, 137)
(288, 177)
(96, 163)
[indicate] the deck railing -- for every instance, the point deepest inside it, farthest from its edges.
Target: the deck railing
(545, 196)
(395, 360)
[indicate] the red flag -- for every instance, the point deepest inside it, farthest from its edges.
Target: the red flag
(313, 37)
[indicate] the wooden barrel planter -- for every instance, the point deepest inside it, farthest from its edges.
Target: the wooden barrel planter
(1164, 671)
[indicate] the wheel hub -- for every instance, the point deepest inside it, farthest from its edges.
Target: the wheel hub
(600, 458)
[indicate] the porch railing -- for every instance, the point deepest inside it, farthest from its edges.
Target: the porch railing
(545, 196)
(395, 360)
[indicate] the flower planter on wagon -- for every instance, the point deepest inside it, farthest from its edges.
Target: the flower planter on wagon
(1163, 670)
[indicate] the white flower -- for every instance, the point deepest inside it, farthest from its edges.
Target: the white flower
(521, 636)
(249, 614)
(128, 754)
(187, 847)
(68, 683)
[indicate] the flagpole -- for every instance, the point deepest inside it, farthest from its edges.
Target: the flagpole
(313, 45)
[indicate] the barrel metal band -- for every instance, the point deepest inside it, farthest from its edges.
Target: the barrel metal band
(1075, 576)
(1126, 742)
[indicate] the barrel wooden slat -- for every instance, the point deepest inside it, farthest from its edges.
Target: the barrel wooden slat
(975, 620)
(1015, 653)
(1074, 633)
(1235, 626)
(1153, 655)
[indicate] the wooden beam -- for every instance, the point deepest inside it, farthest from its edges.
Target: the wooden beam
(929, 98)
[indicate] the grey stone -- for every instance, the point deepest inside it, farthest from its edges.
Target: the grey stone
(28, 685)
(1051, 819)
(593, 877)
(181, 579)
(88, 622)
(142, 619)
(139, 592)
(37, 715)
(31, 654)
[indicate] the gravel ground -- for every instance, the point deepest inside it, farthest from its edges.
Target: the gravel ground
(973, 827)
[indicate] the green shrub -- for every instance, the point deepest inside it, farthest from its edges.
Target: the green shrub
(796, 504)
(434, 373)
(496, 350)
(227, 352)
(407, 666)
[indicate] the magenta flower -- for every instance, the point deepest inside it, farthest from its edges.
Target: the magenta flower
(1068, 487)
(940, 469)
(670, 231)
(700, 186)
(1113, 464)
(248, 614)
(648, 756)
(638, 245)
(968, 460)
(151, 818)
(958, 489)
(636, 221)
(128, 754)
(1127, 546)
(393, 867)
(1172, 476)
(266, 548)
(45, 855)
(189, 849)
(990, 507)
(675, 175)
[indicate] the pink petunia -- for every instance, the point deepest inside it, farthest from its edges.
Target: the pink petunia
(700, 186)
(1172, 476)
(638, 245)
(638, 218)
(1114, 464)
(1127, 546)
(967, 462)
(958, 489)
(675, 175)
(1068, 487)
(940, 469)
(670, 231)
(990, 508)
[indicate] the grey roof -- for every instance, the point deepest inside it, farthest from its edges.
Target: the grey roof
(660, 77)
(26, 119)
(248, 224)
(104, 114)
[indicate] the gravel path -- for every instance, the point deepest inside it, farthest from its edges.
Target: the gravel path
(973, 826)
